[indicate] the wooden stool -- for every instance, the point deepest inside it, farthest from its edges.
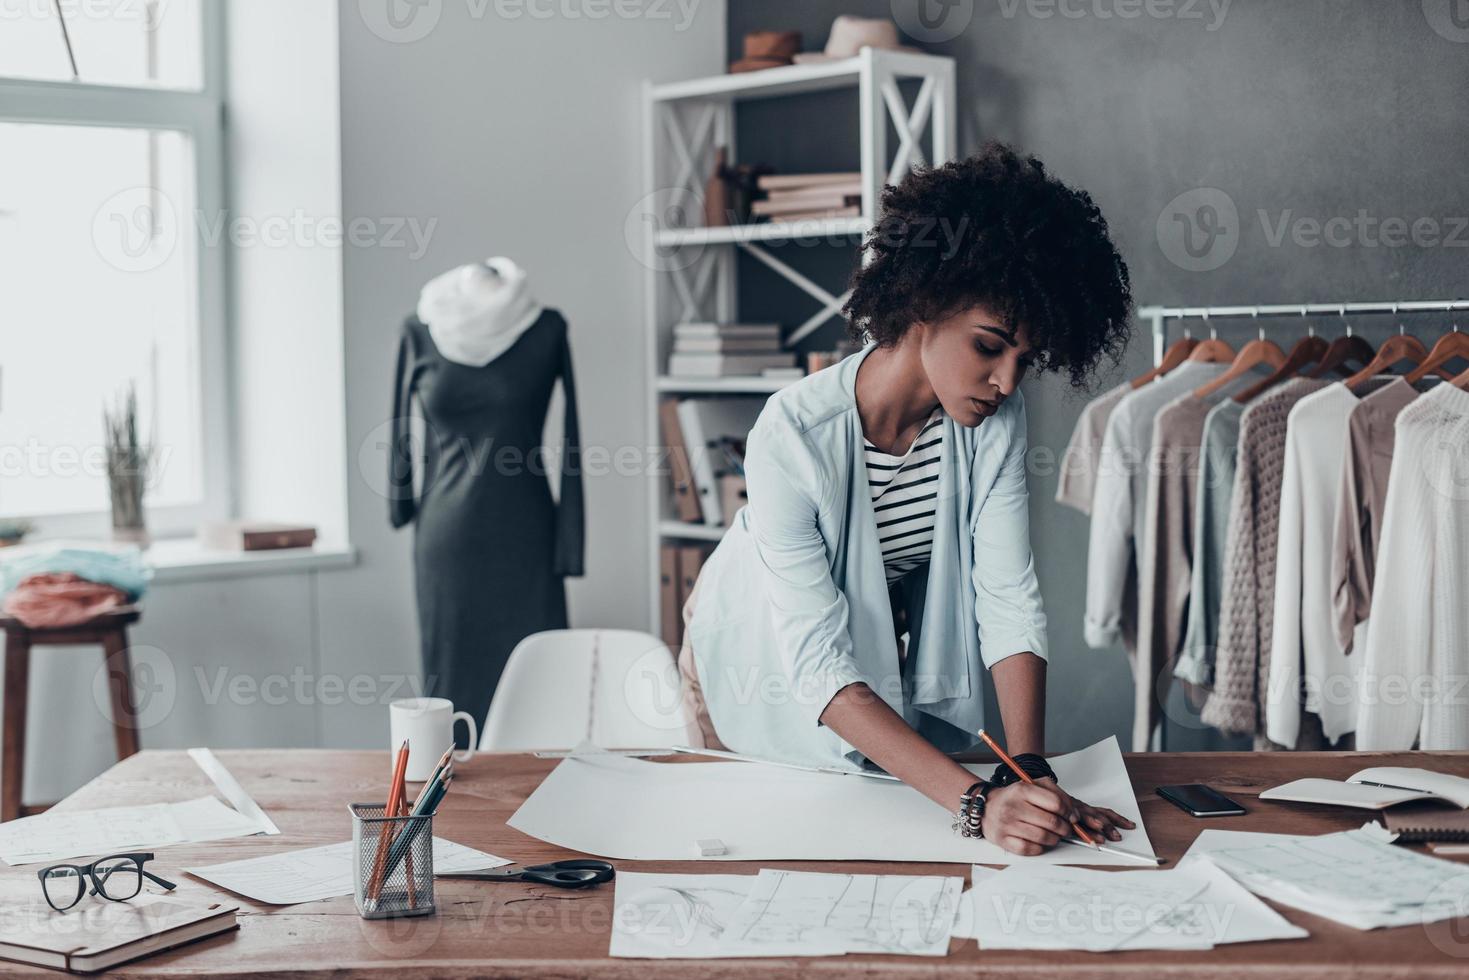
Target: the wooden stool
(109, 630)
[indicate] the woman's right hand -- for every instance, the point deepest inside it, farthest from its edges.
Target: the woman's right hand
(1026, 818)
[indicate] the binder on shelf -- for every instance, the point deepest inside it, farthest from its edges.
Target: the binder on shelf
(690, 560)
(668, 589)
(703, 421)
(685, 496)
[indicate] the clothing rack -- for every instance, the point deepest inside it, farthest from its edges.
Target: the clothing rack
(1160, 315)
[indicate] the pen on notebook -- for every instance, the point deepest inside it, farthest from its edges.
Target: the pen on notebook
(1025, 777)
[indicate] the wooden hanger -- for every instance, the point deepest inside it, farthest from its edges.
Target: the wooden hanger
(1212, 351)
(1348, 347)
(1308, 350)
(1451, 345)
(1403, 347)
(1172, 358)
(1256, 352)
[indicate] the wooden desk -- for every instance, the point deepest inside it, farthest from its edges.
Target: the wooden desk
(517, 930)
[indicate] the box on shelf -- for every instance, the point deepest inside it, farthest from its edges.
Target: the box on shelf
(720, 350)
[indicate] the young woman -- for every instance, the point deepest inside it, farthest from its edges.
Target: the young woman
(887, 494)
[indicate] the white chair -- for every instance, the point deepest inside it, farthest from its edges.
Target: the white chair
(561, 688)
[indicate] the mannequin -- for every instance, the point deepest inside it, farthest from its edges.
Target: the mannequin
(491, 547)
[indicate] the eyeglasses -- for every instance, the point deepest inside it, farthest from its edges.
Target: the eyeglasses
(117, 878)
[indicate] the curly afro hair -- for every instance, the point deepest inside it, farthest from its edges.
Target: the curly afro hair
(996, 230)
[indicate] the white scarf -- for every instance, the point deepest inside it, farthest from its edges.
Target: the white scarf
(476, 312)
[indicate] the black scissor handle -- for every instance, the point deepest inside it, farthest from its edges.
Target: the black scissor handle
(569, 874)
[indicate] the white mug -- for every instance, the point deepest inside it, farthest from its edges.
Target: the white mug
(428, 725)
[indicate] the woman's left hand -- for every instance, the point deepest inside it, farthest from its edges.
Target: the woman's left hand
(1097, 818)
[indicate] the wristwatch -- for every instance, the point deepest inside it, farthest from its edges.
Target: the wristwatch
(1035, 766)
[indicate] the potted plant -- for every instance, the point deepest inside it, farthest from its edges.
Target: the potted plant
(129, 466)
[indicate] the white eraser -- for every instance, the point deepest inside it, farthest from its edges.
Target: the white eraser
(711, 847)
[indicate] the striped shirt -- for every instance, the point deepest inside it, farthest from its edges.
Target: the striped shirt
(904, 497)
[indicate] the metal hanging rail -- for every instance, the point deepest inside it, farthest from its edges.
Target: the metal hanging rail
(1160, 315)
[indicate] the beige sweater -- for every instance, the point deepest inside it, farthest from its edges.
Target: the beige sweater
(1361, 497)
(1246, 615)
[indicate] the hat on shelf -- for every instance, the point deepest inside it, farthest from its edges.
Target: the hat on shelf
(767, 49)
(849, 35)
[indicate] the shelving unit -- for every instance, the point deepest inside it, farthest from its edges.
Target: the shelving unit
(690, 272)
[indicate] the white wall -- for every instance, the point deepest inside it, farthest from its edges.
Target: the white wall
(517, 137)
(285, 195)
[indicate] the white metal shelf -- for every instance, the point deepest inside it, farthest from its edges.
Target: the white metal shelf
(671, 384)
(775, 231)
(694, 532)
(798, 79)
(691, 274)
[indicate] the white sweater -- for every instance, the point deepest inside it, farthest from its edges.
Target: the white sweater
(1304, 650)
(1417, 649)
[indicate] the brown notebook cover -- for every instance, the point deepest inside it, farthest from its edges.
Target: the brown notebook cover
(685, 498)
(101, 934)
(1428, 822)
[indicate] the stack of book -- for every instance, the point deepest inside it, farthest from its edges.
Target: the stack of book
(721, 350)
(808, 197)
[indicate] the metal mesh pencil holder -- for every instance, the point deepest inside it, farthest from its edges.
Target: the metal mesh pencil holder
(392, 862)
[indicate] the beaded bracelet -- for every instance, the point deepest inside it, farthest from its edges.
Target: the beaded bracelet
(968, 819)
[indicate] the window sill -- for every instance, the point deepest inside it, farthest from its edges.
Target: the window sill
(183, 560)
(175, 560)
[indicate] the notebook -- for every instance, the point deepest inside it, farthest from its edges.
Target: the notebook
(1429, 822)
(98, 935)
(1376, 789)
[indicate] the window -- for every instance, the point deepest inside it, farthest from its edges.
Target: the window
(111, 278)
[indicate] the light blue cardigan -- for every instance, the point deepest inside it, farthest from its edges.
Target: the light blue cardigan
(793, 603)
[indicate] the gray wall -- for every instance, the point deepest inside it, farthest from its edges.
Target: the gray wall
(519, 134)
(1314, 109)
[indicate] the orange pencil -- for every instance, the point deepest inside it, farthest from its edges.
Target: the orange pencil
(396, 792)
(1015, 768)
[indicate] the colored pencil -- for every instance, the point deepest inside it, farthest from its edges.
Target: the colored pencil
(396, 791)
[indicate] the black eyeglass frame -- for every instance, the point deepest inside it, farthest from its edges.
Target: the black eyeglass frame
(85, 872)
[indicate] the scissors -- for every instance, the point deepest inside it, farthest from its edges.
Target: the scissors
(559, 874)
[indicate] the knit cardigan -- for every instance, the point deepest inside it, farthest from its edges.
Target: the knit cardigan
(1247, 608)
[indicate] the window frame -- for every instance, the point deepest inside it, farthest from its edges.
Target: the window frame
(200, 115)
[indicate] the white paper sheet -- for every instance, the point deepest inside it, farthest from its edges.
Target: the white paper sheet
(1356, 877)
(64, 835)
(1220, 912)
(1044, 907)
(659, 916)
(819, 914)
(1218, 840)
(781, 913)
(766, 813)
(314, 873)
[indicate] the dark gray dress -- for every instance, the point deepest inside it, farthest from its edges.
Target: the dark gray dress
(490, 545)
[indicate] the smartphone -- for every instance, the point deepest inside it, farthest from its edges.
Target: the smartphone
(1198, 800)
